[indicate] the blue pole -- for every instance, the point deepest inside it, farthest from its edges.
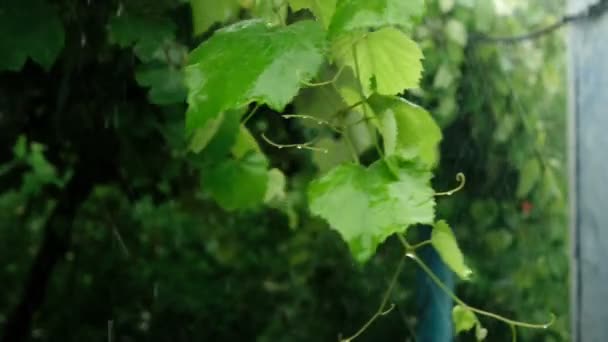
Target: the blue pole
(434, 306)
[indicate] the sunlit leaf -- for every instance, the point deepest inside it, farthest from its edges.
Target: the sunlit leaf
(353, 15)
(270, 75)
(443, 240)
(463, 318)
(379, 204)
(408, 130)
(387, 60)
(275, 190)
(322, 9)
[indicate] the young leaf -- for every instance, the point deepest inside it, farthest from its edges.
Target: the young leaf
(480, 332)
(237, 183)
(353, 15)
(388, 61)
(463, 318)
(409, 131)
(322, 9)
(443, 240)
(264, 64)
(29, 28)
(366, 205)
(205, 13)
(166, 84)
(276, 186)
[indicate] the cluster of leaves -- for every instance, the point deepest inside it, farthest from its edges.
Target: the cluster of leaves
(366, 46)
(328, 73)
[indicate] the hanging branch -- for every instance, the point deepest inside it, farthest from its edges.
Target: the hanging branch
(590, 12)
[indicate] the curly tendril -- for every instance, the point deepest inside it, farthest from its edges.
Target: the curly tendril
(460, 177)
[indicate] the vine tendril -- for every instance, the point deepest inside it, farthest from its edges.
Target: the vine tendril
(315, 119)
(251, 113)
(324, 83)
(303, 146)
(381, 309)
(460, 177)
(456, 299)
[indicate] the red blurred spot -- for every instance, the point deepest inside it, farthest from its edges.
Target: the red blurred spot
(526, 207)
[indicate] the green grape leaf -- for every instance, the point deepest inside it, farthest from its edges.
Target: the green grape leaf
(322, 9)
(409, 131)
(530, 174)
(443, 240)
(166, 84)
(237, 183)
(205, 13)
(218, 137)
(245, 142)
(203, 135)
(354, 15)
(275, 190)
(273, 12)
(149, 36)
(29, 28)
(387, 60)
(271, 75)
(463, 318)
(337, 153)
(379, 203)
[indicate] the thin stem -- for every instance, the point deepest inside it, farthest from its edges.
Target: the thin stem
(406, 245)
(513, 333)
(324, 83)
(351, 147)
(251, 113)
(420, 245)
(304, 146)
(449, 292)
(354, 105)
(460, 177)
(313, 118)
(381, 309)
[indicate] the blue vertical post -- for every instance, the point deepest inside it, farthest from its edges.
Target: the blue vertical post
(588, 68)
(434, 306)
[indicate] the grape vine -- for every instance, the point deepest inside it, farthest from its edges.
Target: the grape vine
(367, 48)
